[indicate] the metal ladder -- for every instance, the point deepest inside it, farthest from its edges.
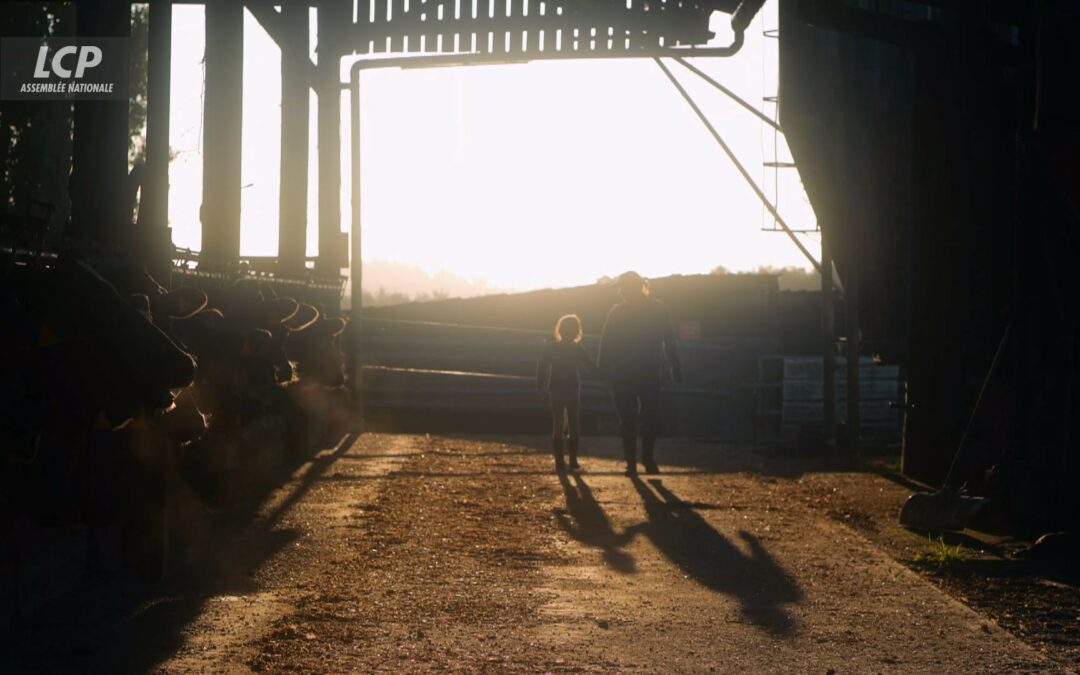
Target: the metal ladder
(776, 164)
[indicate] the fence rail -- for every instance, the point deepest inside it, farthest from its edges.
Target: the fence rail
(471, 378)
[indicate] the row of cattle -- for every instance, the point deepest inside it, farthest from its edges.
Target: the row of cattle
(118, 392)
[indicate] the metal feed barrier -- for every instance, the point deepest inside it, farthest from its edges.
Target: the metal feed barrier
(420, 376)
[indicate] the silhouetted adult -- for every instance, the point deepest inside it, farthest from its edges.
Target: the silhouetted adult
(630, 357)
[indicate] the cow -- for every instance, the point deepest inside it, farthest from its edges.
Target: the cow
(84, 361)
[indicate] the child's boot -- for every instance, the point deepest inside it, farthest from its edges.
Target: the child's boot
(629, 448)
(557, 450)
(572, 445)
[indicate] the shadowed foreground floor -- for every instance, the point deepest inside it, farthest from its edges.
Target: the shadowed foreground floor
(413, 553)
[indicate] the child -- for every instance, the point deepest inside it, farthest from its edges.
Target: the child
(558, 373)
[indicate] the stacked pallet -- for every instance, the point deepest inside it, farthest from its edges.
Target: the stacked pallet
(791, 399)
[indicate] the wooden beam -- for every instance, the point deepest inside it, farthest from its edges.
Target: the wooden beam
(828, 344)
(851, 307)
(277, 26)
(356, 269)
(99, 162)
(332, 17)
(154, 205)
(354, 344)
(293, 203)
(269, 18)
(222, 133)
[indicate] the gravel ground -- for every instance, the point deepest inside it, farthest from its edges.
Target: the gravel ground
(1039, 601)
(435, 554)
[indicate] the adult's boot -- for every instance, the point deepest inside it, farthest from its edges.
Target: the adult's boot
(557, 450)
(648, 443)
(572, 446)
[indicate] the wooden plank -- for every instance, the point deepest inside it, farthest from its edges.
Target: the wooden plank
(807, 412)
(872, 390)
(643, 29)
(377, 29)
(810, 367)
(360, 35)
(399, 25)
(504, 38)
(426, 10)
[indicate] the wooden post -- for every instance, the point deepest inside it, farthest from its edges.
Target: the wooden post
(99, 157)
(354, 356)
(851, 286)
(828, 345)
(295, 97)
(222, 132)
(154, 205)
(329, 21)
(356, 264)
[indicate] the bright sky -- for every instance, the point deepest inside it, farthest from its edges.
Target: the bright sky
(530, 175)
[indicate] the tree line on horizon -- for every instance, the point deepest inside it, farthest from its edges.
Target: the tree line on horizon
(790, 279)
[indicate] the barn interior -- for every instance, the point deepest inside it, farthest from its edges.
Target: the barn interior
(936, 141)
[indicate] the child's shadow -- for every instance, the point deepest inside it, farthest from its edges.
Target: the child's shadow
(585, 520)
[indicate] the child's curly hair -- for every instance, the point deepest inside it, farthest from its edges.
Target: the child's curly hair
(568, 327)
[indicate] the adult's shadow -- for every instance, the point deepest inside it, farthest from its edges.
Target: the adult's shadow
(586, 521)
(755, 580)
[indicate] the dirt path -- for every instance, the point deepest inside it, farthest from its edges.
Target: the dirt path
(417, 554)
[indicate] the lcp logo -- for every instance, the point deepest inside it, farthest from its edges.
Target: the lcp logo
(62, 68)
(87, 56)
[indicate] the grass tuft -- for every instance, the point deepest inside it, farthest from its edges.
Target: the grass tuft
(943, 555)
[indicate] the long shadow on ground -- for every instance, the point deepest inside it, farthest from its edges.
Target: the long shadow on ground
(688, 455)
(584, 520)
(756, 581)
(122, 626)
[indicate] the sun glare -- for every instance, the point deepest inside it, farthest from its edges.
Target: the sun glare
(525, 176)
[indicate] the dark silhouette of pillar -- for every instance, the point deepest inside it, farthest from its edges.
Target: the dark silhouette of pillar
(356, 268)
(99, 157)
(222, 132)
(354, 344)
(332, 16)
(292, 204)
(828, 344)
(154, 206)
(851, 286)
